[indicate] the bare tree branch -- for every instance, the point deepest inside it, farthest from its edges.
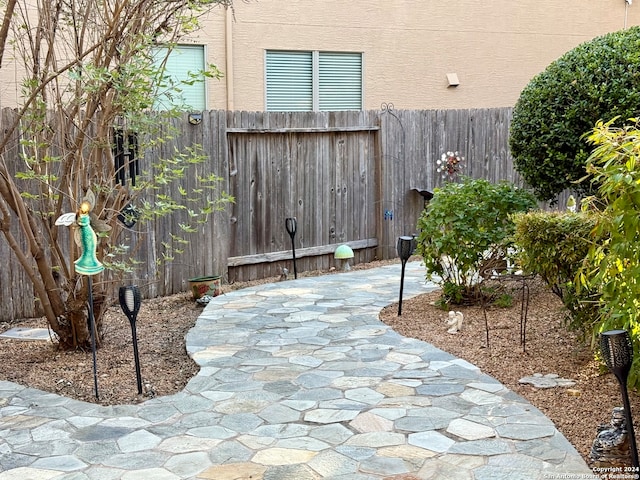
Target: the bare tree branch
(6, 25)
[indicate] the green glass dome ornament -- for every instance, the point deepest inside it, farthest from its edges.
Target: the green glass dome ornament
(343, 253)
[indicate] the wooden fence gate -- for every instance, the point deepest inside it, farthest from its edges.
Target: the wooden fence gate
(322, 175)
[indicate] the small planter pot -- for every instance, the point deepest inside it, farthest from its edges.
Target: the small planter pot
(201, 286)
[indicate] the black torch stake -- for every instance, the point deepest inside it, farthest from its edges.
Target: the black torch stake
(291, 225)
(92, 329)
(405, 249)
(130, 304)
(617, 351)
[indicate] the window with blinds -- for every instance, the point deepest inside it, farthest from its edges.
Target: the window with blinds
(182, 87)
(339, 81)
(289, 81)
(304, 81)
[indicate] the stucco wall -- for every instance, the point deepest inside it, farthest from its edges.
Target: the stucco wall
(494, 46)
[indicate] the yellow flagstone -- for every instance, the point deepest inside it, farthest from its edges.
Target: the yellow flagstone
(368, 422)
(26, 473)
(234, 471)
(390, 389)
(283, 456)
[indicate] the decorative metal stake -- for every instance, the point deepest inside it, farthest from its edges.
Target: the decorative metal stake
(130, 304)
(92, 329)
(89, 265)
(405, 246)
(291, 225)
(617, 351)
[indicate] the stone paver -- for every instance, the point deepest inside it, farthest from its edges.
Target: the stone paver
(550, 380)
(299, 380)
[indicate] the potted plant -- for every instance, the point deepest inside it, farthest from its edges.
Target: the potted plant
(207, 285)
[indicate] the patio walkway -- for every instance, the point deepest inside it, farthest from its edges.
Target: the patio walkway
(299, 380)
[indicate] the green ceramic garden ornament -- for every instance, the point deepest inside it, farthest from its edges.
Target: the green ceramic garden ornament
(88, 263)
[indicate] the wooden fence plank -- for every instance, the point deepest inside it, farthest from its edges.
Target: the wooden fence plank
(364, 128)
(300, 252)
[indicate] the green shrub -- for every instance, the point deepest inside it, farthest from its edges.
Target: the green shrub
(555, 245)
(504, 300)
(464, 225)
(599, 79)
(614, 165)
(452, 294)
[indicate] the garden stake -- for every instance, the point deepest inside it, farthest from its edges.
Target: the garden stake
(130, 304)
(291, 225)
(92, 329)
(617, 351)
(89, 265)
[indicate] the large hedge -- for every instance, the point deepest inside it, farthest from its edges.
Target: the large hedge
(598, 80)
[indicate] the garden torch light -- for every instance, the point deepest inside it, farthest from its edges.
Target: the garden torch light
(617, 351)
(130, 304)
(405, 248)
(291, 224)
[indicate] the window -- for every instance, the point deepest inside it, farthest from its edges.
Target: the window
(303, 81)
(181, 68)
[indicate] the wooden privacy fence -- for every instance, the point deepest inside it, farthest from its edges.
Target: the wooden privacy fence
(347, 177)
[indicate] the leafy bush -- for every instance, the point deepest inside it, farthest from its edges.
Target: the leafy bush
(599, 79)
(452, 294)
(555, 245)
(614, 166)
(504, 300)
(465, 226)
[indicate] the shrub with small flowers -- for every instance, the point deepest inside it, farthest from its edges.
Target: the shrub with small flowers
(450, 164)
(464, 225)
